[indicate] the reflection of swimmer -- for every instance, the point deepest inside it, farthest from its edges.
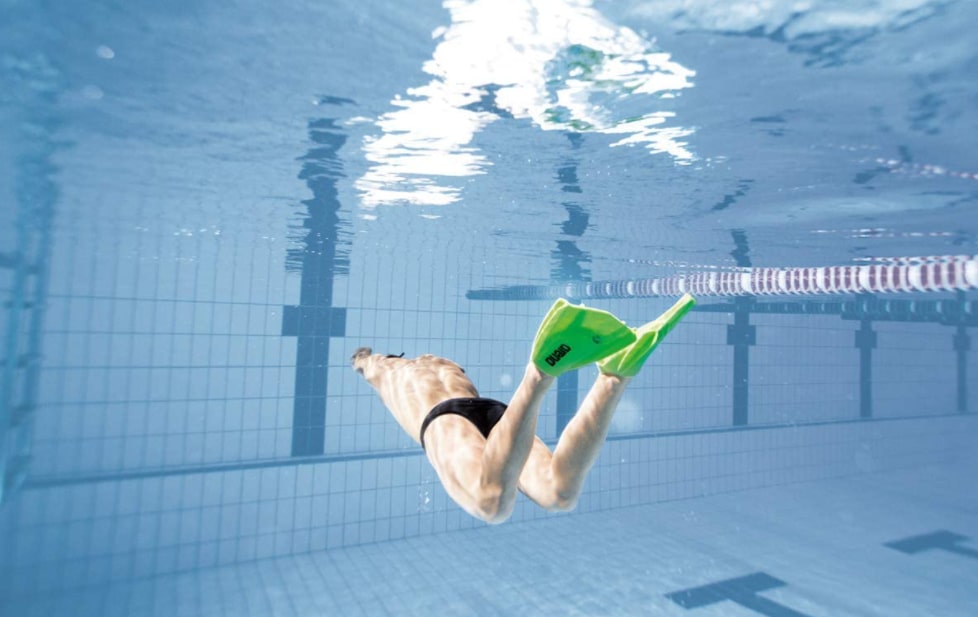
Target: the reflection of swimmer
(560, 64)
(484, 450)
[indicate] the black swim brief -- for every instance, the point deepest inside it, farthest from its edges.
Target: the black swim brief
(484, 413)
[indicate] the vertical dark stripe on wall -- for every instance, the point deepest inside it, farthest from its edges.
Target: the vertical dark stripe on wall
(23, 301)
(314, 320)
(741, 252)
(865, 342)
(566, 399)
(570, 264)
(962, 343)
(741, 335)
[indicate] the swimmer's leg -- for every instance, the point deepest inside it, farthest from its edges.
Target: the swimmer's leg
(574, 336)
(554, 479)
(569, 337)
(495, 485)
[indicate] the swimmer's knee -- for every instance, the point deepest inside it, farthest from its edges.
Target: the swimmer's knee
(563, 503)
(559, 501)
(493, 505)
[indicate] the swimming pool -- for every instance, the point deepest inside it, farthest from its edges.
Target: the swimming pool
(205, 208)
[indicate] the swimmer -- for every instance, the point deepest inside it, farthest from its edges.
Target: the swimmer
(484, 450)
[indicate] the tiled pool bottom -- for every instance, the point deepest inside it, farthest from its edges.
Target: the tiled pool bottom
(818, 549)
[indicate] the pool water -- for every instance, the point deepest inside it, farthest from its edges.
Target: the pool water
(205, 208)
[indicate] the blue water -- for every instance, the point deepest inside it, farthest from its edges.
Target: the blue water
(205, 208)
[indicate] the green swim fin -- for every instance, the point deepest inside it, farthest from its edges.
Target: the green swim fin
(629, 360)
(574, 336)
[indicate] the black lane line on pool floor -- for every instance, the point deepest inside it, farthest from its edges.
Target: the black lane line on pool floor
(940, 540)
(742, 590)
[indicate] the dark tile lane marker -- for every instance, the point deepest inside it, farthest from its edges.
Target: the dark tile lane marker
(742, 590)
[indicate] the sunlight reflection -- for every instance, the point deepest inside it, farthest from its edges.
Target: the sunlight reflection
(558, 63)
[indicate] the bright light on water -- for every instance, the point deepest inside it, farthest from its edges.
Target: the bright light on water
(561, 65)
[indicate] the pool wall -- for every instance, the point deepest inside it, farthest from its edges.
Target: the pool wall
(133, 481)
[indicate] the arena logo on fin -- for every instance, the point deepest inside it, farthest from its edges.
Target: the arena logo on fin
(557, 354)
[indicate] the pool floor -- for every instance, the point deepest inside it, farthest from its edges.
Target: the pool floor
(895, 543)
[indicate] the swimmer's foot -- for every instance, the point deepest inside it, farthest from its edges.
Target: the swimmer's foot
(628, 361)
(574, 336)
